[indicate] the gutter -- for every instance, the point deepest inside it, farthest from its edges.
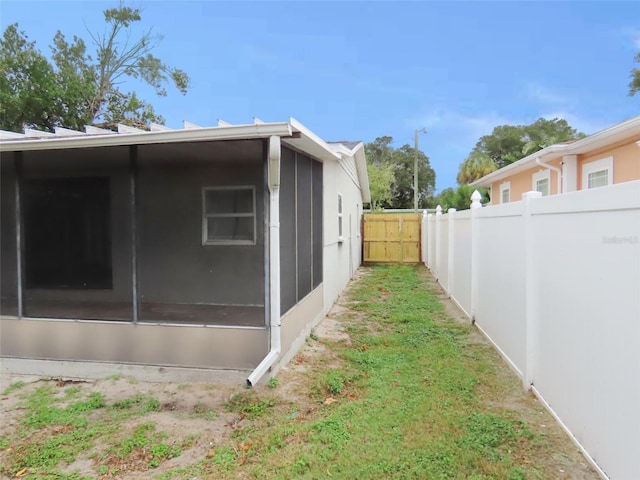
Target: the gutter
(235, 132)
(555, 169)
(274, 263)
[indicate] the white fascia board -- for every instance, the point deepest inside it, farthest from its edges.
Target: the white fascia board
(305, 133)
(236, 132)
(523, 164)
(363, 176)
(607, 137)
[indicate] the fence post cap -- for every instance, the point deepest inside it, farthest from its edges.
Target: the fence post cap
(475, 199)
(438, 210)
(452, 210)
(532, 194)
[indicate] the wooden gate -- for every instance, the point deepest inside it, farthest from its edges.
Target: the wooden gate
(392, 237)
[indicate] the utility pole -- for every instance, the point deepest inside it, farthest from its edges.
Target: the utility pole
(415, 168)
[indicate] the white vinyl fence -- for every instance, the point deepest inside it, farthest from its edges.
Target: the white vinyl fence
(554, 283)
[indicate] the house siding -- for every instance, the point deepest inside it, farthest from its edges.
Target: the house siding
(523, 182)
(626, 168)
(172, 266)
(626, 162)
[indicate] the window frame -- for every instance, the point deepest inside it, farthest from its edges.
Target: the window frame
(540, 176)
(604, 164)
(505, 187)
(206, 216)
(340, 217)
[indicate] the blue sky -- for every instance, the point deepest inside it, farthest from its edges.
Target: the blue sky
(359, 70)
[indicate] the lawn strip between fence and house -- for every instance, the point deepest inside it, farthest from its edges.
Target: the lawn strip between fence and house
(388, 386)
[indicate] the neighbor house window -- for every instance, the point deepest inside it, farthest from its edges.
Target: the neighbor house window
(340, 216)
(505, 192)
(229, 215)
(541, 182)
(598, 173)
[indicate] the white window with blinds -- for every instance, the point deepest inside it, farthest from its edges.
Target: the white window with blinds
(541, 182)
(505, 192)
(597, 174)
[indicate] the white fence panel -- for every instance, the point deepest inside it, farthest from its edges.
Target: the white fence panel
(501, 280)
(431, 239)
(587, 345)
(442, 241)
(461, 291)
(555, 284)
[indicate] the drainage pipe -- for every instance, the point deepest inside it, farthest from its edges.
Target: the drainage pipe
(274, 263)
(555, 169)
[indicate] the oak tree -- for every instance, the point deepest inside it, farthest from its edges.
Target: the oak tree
(74, 88)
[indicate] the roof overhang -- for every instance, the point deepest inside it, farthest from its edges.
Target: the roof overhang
(363, 175)
(140, 137)
(609, 136)
(292, 134)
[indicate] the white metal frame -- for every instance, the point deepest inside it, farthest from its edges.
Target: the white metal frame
(340, 217)
(595, 167)
(505, 186)
(539, 177)
(206, 216)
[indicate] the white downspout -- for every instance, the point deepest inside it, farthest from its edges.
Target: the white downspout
(555, 169)
(274, 262)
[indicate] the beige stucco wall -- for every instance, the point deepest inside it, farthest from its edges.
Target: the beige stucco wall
(626, 168)
(626, 162)
(523, 182)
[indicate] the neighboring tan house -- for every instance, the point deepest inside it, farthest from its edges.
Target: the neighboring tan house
(212, 248)
(604, 158)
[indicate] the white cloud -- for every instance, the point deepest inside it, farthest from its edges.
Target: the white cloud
(547, 96)
(464, 127)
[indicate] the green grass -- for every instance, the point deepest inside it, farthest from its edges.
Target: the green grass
(406, 402)
(409, 396)
(13, 387)
(59, 425)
